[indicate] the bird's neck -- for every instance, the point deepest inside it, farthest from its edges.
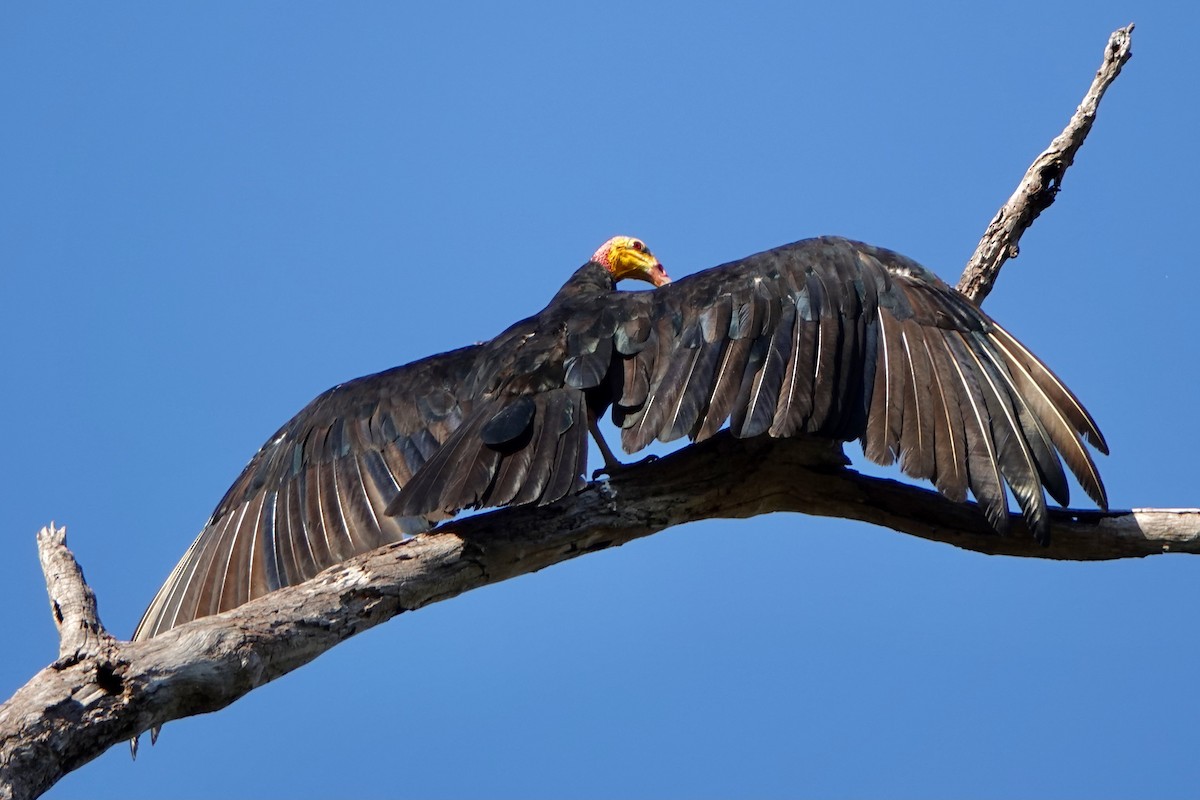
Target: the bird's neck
(590, 280)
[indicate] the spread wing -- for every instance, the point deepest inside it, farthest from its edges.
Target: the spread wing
(825, 337)
(840, 339)
(315, 493)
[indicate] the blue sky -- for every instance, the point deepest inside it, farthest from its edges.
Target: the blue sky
(211, 213)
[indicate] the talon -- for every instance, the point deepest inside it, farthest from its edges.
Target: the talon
(613, 469)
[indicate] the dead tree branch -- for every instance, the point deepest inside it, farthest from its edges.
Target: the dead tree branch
(1043, 179)
(72, 601)
(101, 691)
(111, 691)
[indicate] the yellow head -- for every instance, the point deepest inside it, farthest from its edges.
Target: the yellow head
(626, 257)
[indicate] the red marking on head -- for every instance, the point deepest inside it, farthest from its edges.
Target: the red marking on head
(603, 256)
(627, 258)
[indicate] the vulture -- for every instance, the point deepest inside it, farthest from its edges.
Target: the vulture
(825, 337)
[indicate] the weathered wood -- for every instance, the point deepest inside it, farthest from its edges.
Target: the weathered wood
(72, 601)
(1042, 180)
(77, 708)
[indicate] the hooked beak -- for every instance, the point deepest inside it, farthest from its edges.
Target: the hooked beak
(628, 259)
(658, 275)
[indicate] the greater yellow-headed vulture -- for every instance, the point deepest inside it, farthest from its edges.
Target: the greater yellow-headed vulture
(825, 337)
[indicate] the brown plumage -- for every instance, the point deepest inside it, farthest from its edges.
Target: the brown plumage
(824, 337)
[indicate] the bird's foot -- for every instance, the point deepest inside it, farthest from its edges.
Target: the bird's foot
(617, 467)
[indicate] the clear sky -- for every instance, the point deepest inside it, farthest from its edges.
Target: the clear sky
(209, 213)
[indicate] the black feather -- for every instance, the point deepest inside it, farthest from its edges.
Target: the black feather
(795, 402)
(983, 471)
(555, 416)
(571, 458)
(950, 467)
(510, 423)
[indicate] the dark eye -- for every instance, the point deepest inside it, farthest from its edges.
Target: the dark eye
(638, 246)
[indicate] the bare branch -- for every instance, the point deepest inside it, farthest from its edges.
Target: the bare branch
(72, 601)
(1042, 180)
(76, 709)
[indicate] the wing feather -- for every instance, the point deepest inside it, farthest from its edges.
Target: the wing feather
(313, 493)
(726, 382)
(879, 442)
(916, 438)
(796, 397)
(983, 472)
(950, 475)
(1014, 458)
(1061, 415)
(758, 400)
